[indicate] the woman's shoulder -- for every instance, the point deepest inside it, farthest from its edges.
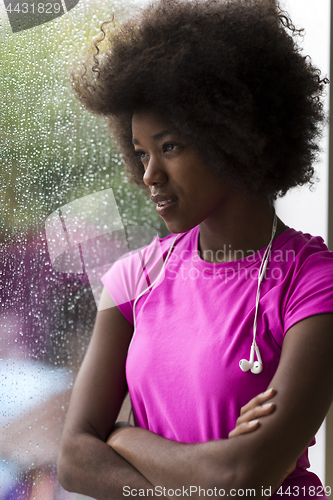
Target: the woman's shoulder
(301, 247)
(307, 280)
(137, 269)
(296, 238)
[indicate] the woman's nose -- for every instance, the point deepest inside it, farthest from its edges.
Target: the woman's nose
(154, 172)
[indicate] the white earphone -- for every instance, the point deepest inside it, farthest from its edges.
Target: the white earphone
(254, 366)
(244, 364)
(152, 284)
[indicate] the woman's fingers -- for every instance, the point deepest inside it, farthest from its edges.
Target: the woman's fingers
(257, 407)
(258, 411)
(258, 400)
(244, 428)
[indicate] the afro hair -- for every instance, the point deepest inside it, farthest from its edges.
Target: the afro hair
(227, 74)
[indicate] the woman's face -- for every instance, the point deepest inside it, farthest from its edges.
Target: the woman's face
(185, 190)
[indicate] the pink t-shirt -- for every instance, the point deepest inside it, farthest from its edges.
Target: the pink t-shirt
(196, 324)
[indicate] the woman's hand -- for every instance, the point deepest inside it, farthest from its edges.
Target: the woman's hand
(260, 459)
(257, 407)
(248, 421)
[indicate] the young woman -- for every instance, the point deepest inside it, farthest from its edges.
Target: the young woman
(217, 113)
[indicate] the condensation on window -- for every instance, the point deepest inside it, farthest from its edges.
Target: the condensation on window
(67, 212)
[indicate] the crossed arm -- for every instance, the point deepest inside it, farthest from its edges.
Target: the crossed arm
(247, 422)
(141, 459)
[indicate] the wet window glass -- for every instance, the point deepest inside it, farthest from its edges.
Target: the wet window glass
(67, 212)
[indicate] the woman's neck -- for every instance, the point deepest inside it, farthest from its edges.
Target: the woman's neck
(237, 230)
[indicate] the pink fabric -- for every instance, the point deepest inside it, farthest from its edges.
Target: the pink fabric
(194, 327)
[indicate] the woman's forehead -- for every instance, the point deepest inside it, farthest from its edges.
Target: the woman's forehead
(150, 122)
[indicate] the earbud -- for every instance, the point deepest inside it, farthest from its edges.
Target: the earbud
(255, 366)
(246, 365)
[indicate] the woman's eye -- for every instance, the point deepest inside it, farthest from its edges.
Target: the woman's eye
(141, 155)
(170, 147)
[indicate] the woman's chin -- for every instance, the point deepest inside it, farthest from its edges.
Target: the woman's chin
(178, 226)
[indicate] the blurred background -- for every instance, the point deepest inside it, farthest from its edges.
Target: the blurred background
(53, 153)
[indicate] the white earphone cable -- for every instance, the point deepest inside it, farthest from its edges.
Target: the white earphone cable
(261, 274)
(152, 284)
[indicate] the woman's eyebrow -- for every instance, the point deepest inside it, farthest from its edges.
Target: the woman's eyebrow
(160, 135)
(155, 137)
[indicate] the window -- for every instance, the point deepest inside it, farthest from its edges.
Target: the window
(56, 157)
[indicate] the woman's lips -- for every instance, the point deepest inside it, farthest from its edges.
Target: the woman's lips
(164, 206)
(163, 203)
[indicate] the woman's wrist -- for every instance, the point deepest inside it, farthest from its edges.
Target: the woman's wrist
(124, 434)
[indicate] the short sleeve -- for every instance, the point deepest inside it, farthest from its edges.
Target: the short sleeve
(132, 274)
(311, 289)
